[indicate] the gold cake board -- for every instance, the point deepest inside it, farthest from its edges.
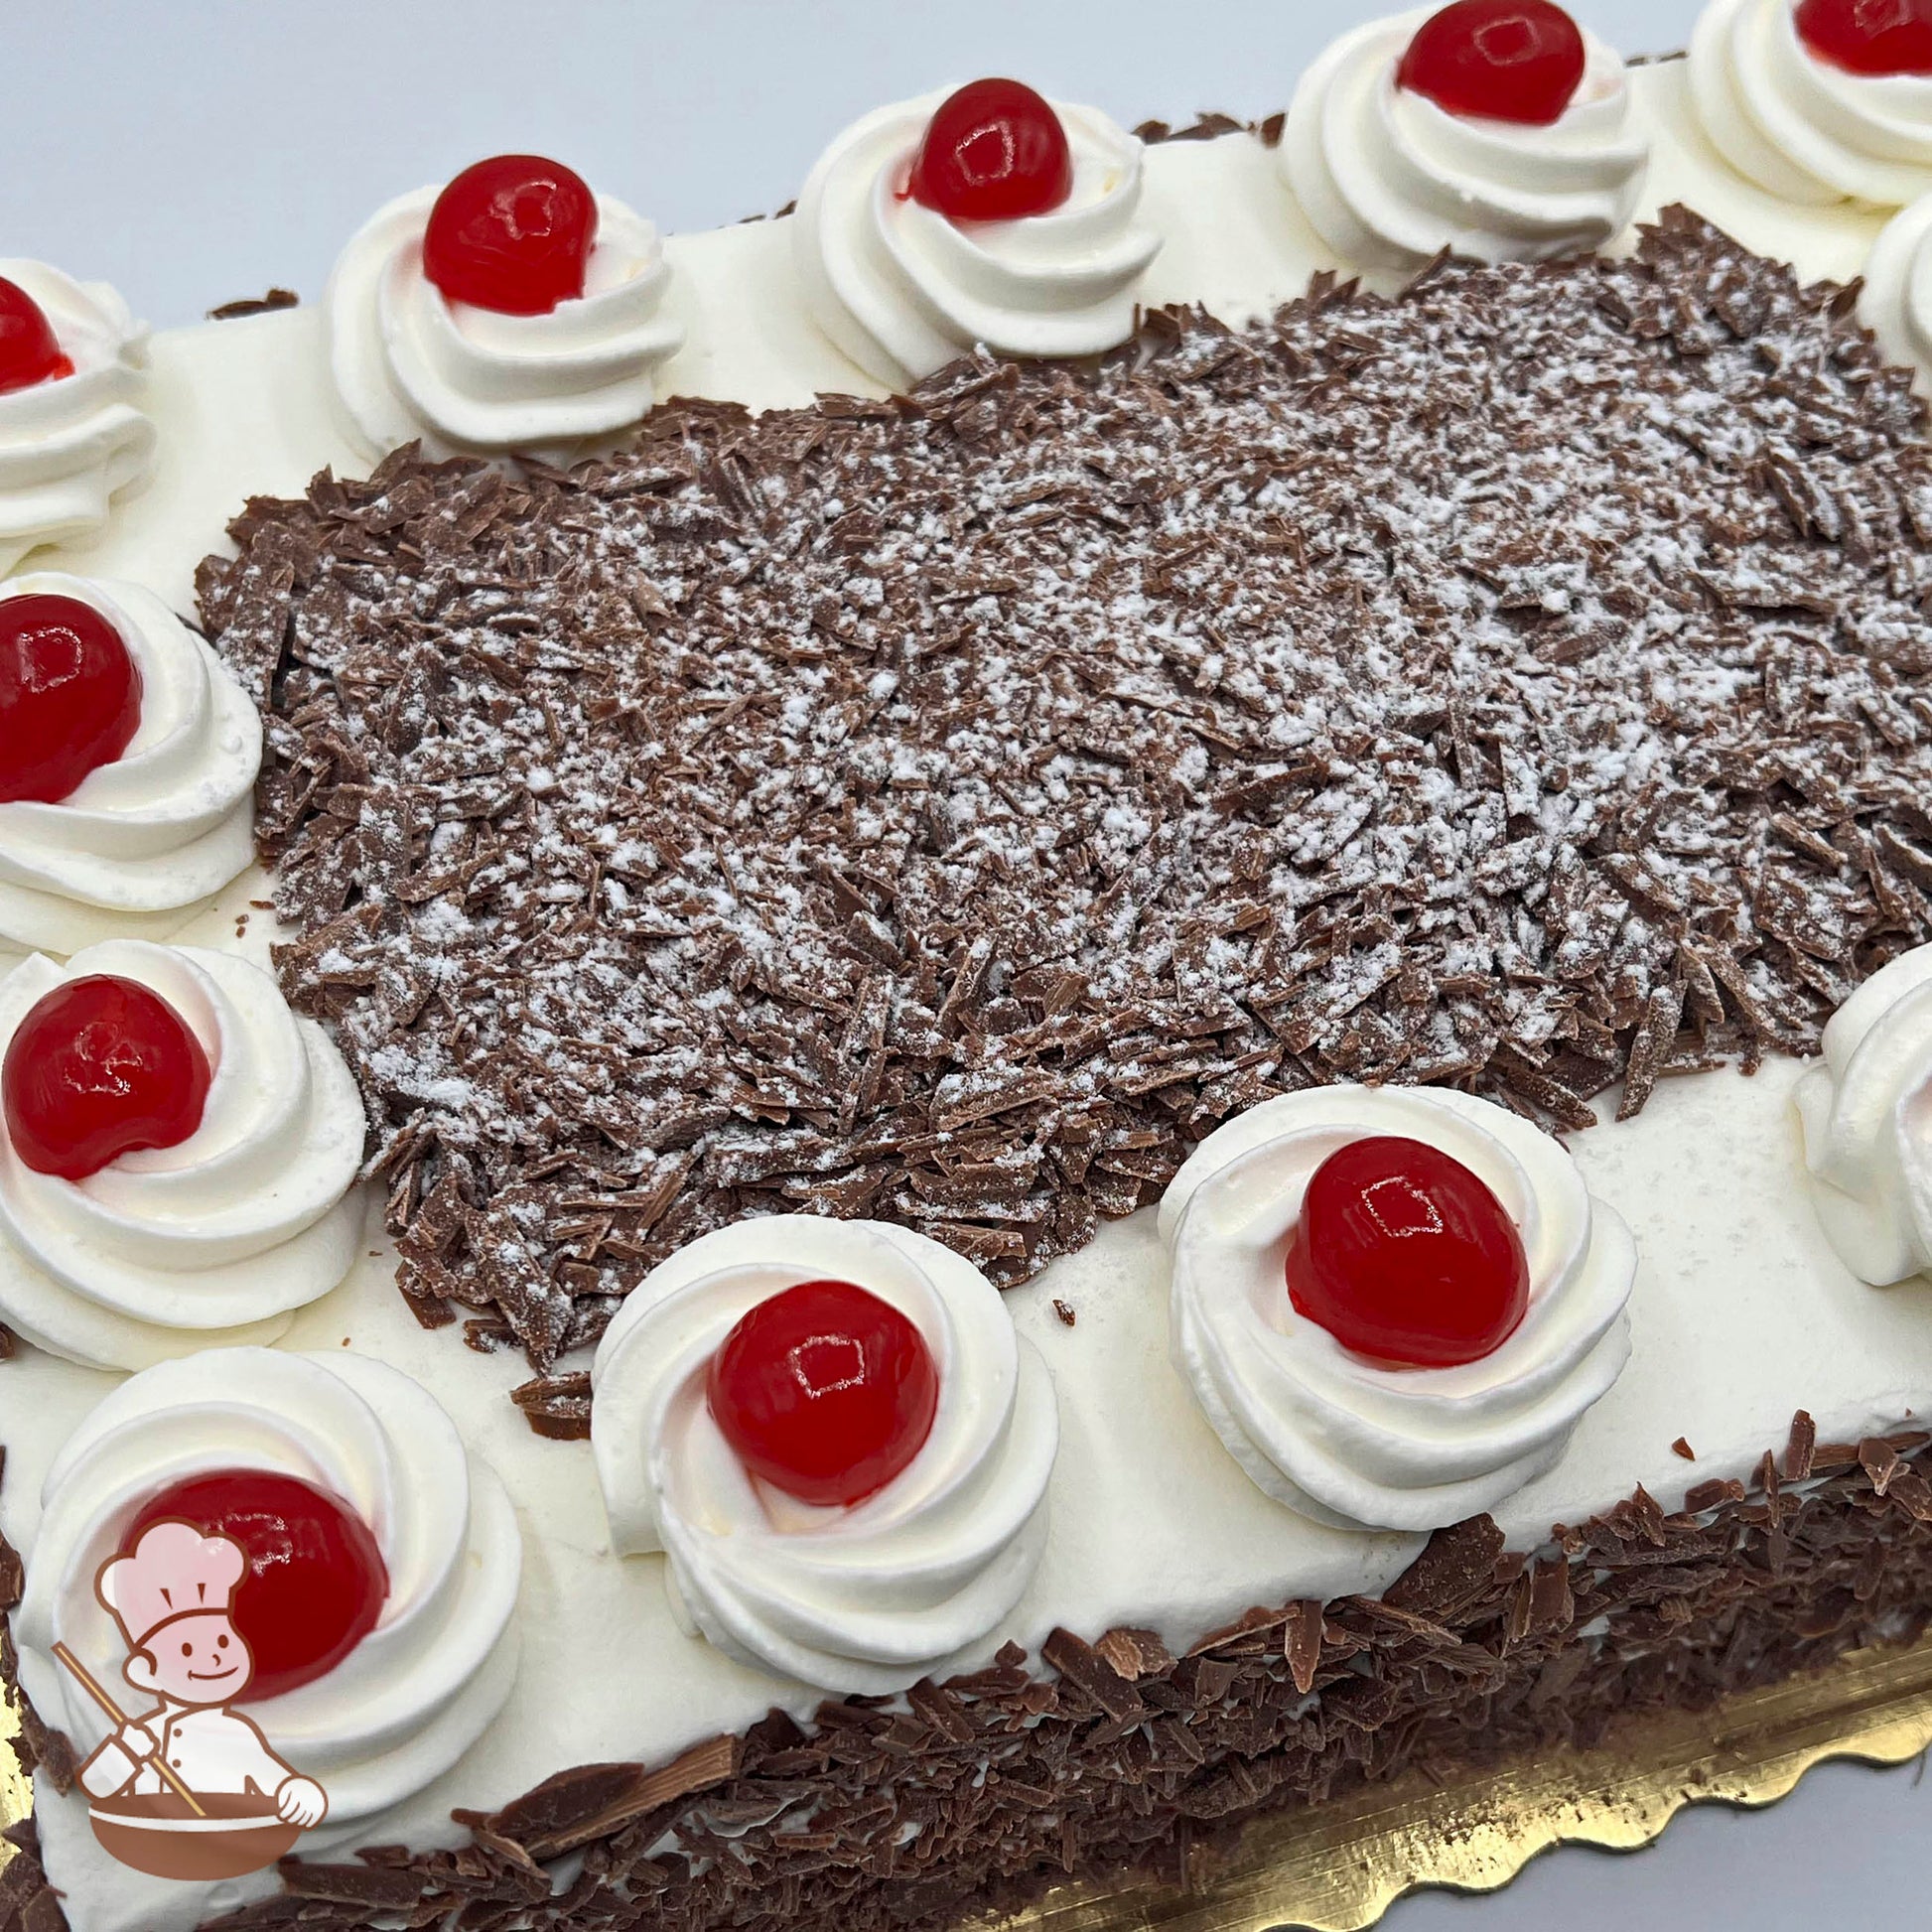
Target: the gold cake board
(1339, 1869)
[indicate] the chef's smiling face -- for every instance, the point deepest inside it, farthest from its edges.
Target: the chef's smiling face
(194, 1660)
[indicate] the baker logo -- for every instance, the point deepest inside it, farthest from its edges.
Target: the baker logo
(188, 1788)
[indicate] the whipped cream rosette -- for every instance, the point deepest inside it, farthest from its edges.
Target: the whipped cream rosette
(414, 1691)
(1866, 1114)
(411, 364)
(1895, 303)
(865, 1597)
(904, 289)
(1359, 1443)
(147, 836)
(217, 1236)
(71, 443)
(1802, 126)
(1389, 178)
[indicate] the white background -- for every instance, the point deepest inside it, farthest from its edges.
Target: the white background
(194, 150)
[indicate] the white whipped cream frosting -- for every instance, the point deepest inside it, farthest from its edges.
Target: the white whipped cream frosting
(1895, 303)
(1389, 179)
(167, 1250)
(1345, 1441)
(70, 447)
(419, 1690)
(409, 364)
(1802, 128)
(1866, 1113)
(866, 1598)
(904, 289)
(141, 841)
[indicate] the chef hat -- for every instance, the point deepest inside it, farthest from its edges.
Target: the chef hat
(175, 1571)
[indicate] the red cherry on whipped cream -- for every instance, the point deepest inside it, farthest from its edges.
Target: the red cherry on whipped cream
(994, 151)
(1406, 1256)
(825, 1390)
(100, 1067)
(512, 233)
(1498, 60)
(69, 696)
(30, 353)
(1874, 37)
(316, 1581)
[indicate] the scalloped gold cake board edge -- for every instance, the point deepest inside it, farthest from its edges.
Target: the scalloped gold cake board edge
(1340, 1868)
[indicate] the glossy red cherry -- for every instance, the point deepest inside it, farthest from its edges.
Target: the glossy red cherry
(1869, 36)
(30, 353)
(993, 151)
(1496, 60)
(69, 696)
(99, 1067)
(1407, 1257)
(316, 1581)
(825, 1390)
(512, 233)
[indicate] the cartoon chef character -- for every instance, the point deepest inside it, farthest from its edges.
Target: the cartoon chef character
(171, 1599)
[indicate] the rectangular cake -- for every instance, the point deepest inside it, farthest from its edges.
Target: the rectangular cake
(856, 1064)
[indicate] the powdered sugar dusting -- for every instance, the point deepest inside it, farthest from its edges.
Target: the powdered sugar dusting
(949, 811)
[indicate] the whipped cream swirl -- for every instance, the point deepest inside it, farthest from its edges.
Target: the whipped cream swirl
(70, 447)
(864, 1598)
(172, 1249)
(419, 1690)
(1895, 303)
(409, 364)
(1866, 1113)
(141, 841)
(904, 289)
(1389, 179)
(1802, 128)
(1349, 1441)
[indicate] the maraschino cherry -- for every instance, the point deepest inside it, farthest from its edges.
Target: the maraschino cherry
(1516, 61)
(99, 1067)
(69, 696)
(512, 233)
(30, 353)
(825, 1390)
(1407, 1257)
(1872, 37)
(993, 151)
(316, 1581)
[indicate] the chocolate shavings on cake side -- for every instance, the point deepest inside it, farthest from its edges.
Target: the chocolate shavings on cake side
(1112, 1756)
(951, 810)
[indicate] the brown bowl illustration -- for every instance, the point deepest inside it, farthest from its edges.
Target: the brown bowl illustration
(162, 1837)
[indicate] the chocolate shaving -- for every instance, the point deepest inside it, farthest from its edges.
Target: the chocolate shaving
(557, 1406)
(258, 305)
(1800, 1451)
(1301, 1643)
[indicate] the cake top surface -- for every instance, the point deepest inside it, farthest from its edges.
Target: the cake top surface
(948, 810)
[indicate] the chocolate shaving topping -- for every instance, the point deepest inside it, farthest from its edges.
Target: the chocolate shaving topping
(951, 810)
